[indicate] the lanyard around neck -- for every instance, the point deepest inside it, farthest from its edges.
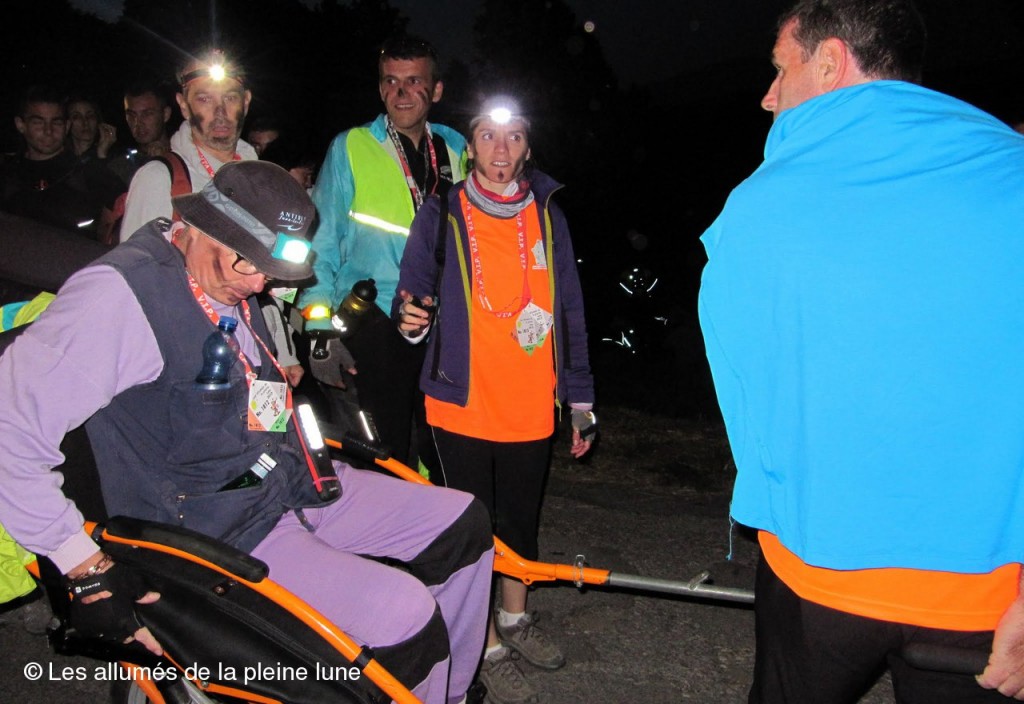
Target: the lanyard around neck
(478, 270)
(418, 194)
(206, 162)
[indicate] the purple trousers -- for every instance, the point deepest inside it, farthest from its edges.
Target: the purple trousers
(442, 536)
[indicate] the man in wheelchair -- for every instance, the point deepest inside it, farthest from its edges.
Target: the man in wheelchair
(120, 349)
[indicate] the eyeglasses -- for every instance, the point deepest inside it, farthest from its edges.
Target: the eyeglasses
(244, 266)
(247, 268)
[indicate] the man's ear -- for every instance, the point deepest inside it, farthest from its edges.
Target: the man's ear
(246, 100)
(19, 125)
(438, 92)
(167, 113)
(835, 63)
(183, 105)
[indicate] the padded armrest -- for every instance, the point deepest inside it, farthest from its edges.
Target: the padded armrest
(210, 549)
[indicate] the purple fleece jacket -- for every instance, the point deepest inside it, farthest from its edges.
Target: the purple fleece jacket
(92, 343)
(445, 374)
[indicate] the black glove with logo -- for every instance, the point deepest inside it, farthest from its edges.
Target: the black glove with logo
(112, 618)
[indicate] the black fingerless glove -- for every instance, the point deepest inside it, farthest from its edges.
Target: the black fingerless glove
(112, 618)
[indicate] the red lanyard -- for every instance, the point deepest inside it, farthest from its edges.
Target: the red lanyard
(214, 317)
(206, 164)
(418, 194)
(478, 270)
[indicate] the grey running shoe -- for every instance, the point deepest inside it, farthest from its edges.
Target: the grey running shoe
(505, 682)
(531, 642)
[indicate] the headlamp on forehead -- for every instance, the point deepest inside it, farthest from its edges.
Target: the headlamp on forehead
(290, 248)
(501, 110)
(213, 65)
(502, 115)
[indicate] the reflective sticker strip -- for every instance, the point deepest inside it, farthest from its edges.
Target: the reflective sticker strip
(238, 215)
(379, 223)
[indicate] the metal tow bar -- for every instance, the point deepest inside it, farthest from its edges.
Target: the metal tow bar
(511, 564)
(695, 587)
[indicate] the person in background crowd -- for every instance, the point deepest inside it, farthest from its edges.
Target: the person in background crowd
(147, 113)
(861, 308)
(214, 107)
(214, 100)
(46, 182)
(289, 155)
(89, 137)
(262, 133)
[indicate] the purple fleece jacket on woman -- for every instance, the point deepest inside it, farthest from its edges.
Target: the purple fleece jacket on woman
(445, 374)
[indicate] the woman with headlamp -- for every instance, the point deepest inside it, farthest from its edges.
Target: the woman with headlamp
(496, 294)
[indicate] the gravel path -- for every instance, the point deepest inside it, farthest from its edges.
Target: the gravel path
(653, 501)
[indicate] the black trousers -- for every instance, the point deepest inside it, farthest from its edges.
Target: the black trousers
(508, 477)
(387, 387)
(811, 654)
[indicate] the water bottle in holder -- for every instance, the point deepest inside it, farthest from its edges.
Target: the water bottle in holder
(220, 352)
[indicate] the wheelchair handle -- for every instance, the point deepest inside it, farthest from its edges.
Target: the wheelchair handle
(945, 658)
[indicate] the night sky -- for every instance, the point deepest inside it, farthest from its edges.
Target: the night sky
(645, 42)
(650, 41)
(650, 118)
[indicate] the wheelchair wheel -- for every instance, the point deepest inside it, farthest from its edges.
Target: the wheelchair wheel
(180, 692)
(128, 693)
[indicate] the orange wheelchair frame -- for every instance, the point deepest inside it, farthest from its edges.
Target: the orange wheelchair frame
(113, 536)
(511, 564)
(506, 562)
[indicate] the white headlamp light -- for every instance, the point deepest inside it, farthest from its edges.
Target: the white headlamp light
(214, 65)
(500, 109)
(501, 115)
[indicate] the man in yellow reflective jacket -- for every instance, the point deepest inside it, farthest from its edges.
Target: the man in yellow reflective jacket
(373, 181)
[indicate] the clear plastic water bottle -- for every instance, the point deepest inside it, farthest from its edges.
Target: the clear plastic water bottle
(220, 352)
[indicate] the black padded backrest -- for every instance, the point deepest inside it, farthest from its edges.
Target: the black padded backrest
(42, 256)
(39, 256)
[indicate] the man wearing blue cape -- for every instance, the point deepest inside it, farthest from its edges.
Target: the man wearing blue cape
(863, 310)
